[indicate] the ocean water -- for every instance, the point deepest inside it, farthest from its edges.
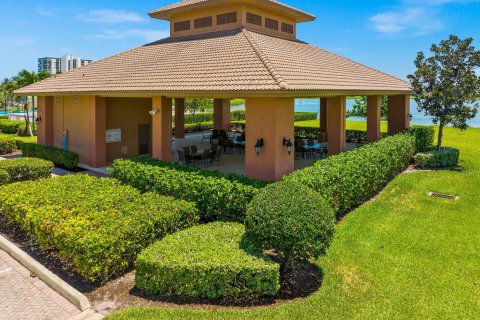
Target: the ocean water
(313, 105)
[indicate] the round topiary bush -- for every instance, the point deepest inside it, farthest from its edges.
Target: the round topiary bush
(291, 219)
(208, 261)
(4, 177)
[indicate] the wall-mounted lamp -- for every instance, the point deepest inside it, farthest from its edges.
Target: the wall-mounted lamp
(259, 146)
(410, 116)
(288, 143)
(38, 120)
(153, 112)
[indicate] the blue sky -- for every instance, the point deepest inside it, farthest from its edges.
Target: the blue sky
(382, 34)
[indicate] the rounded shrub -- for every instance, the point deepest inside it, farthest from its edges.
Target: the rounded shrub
(293, 220)
(446, 157)
(7, 146)
(208, 261)
(4, 177)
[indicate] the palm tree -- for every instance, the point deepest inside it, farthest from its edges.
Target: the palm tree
(25, 78)
(7, 87)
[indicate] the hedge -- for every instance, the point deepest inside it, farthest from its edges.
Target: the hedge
(352, 177)
(4, 177)
(446, 157)
(7, 126)
(59, 157)
(424, 136)
(3, 117)
(291, 219)
(238, 115)
(7, 145)
(97, 225)
(206, 173)
(23, 169)
(216, 198)
(208, 261)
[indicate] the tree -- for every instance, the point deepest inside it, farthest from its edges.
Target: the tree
(197, 105)
(6, 91)
(446, 83)
(359, 108)
(25, 78)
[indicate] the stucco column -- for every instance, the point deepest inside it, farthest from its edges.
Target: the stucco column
(270, 119)
(398, 113)
(98, 129)
(323, 114)
(336, 124)
(179, 118)
(221, 114)
(45, 126)
(373, 118)
(162, 129)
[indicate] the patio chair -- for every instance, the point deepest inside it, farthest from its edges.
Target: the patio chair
(213, 149)
(206, 135)
(205, 156)
(193, 149)
(226, 144)
(186, 151)
(184, 159)
(214, 136)
(217, 155)
(222, 134)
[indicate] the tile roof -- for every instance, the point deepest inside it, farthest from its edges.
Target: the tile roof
(192, 3)
(236, 60)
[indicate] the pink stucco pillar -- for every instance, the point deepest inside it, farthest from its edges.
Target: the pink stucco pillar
(398, 113)
(270, 119)
(323, 114)
(162, 129)
(179, 118)
(45, 126)
(98, 129)
(221, 114)
(336, 124)
(373, 118)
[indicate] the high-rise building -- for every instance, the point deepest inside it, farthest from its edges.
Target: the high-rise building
(63, 64)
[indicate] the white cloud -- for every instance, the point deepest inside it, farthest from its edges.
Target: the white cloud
(21, 41)
(410, 21)
(145, 34)
(110, 16)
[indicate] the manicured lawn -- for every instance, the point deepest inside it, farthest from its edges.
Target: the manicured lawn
(23, 139)
(351, 125)
(403, 256)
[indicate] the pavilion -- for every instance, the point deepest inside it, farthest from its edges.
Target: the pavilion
(121, 106)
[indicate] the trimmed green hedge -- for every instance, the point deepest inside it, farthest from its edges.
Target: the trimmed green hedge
(7, 145)
(7, 126)
(424, 136)
(446, 157)
(206, 173)
(305, 116)
(217, 198)
(209, 261)
(3, 117)
(23, 169)
(96, 224)
(68, 159)
(352, 177)
(291, 219)
(4, 177)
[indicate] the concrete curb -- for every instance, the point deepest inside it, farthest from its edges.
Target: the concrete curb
(53, 281)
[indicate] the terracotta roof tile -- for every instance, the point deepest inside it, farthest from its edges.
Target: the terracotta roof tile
(225, 61)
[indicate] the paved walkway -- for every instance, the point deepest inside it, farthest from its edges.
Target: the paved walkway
(26, 297)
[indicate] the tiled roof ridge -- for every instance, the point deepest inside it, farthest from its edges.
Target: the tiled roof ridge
(270, 67)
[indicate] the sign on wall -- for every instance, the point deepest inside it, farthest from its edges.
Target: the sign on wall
(114, 135)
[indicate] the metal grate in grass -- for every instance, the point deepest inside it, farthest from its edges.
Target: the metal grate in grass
(443, 196)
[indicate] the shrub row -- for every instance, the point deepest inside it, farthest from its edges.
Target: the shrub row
(446, 157)
(239, 115)
(96, 224)
(23, 169)
(7, 145)
(7, 126)
(208, 261)
(4, 177)
(347, 179)
(3, 117)
(206, 173)
(217, 198)
(59, 157)
(423, 137)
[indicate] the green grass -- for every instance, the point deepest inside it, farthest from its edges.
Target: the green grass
(403, 256)
(351, 125)
(23, 139)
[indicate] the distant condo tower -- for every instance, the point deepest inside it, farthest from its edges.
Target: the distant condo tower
(63, 64)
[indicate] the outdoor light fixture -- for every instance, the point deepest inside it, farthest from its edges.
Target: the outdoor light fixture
(288, 143)
(153, 112)
(259, 146)
(410, 116)
(38, 120)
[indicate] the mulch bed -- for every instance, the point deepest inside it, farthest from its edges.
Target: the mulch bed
(121, 292)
